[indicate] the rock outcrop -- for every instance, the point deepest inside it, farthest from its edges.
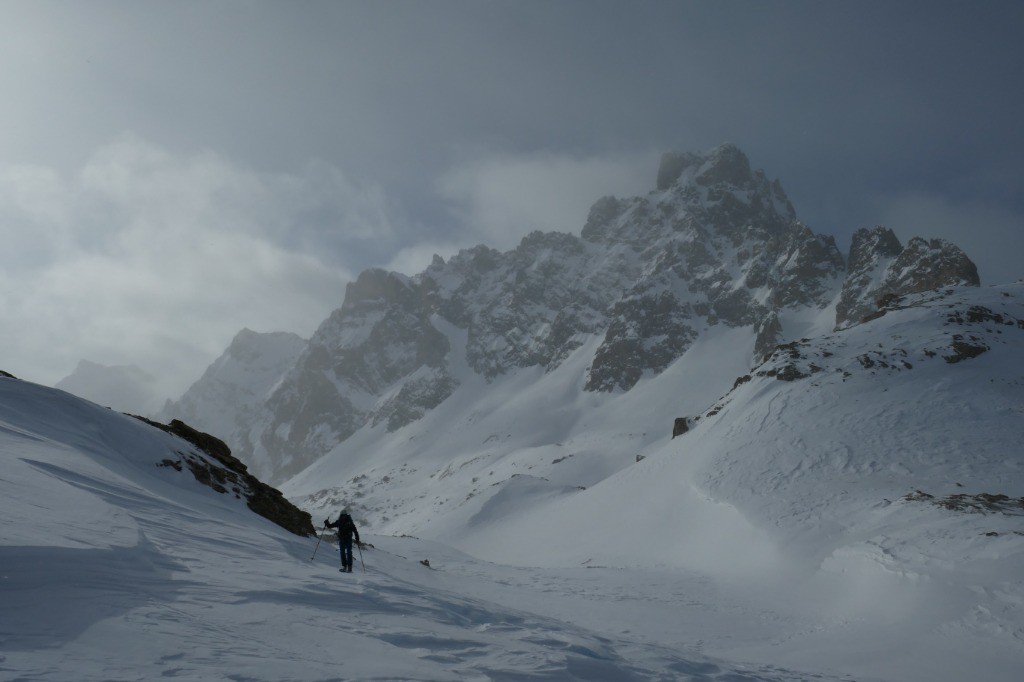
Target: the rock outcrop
(211, 463)
(880, 267)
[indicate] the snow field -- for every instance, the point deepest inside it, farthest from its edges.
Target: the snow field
(118, 569)
(773, 541)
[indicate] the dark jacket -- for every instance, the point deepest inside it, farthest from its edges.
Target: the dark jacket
(346, 528)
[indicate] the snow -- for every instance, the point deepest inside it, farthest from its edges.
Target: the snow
(773, 541)
(788, 488)
(113, 568)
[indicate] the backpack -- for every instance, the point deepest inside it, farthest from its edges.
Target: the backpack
(345, 527)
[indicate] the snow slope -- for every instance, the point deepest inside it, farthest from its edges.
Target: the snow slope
(828, 525)
(806, 489)
(819, 494)
(114, 568)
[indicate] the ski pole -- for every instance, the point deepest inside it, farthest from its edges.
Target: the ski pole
(359, 546)
(319, 538)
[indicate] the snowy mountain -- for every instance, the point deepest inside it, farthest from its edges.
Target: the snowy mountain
(692, 443)
(230, 398)
(715, 247)
(870, 474)
(852, 508)
(125, 388)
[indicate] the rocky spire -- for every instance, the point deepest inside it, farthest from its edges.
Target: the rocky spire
(880, 267)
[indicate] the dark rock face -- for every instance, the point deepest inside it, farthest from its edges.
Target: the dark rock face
(768, 335)
(672, 166)
(416, 397)
(880, 268)
(603, 214)
(221, 471)
(871, 245)
(646, 334)
(930, 264)
(814, 265)
(871, 254)
(980, 503)
(964, 349)
(720, 244)
(725, 165)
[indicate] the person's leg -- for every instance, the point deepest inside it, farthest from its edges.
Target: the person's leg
(346, 554)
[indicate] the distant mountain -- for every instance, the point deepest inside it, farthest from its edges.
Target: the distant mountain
(125, 388)
(716, 246)
(230, 398)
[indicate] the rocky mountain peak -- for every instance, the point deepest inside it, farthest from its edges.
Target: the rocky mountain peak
(716, 244)
(249, 345)
(725, 164)
(934, 263)
(881, 267)
(714, 194)
(374, 285)
(868, 246)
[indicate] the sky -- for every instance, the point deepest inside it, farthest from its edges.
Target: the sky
(171, 173)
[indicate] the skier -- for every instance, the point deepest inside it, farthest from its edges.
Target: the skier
(346, 529)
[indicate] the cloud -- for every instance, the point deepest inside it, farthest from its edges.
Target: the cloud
(414, 259)
(988, 233)
(501, 198)
(153, 258)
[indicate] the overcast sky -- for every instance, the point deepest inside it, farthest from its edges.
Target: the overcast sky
(172, 172)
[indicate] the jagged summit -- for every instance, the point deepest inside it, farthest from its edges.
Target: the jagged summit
(724, 164)
(717, 188)
(880, 267)
(716, 246)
